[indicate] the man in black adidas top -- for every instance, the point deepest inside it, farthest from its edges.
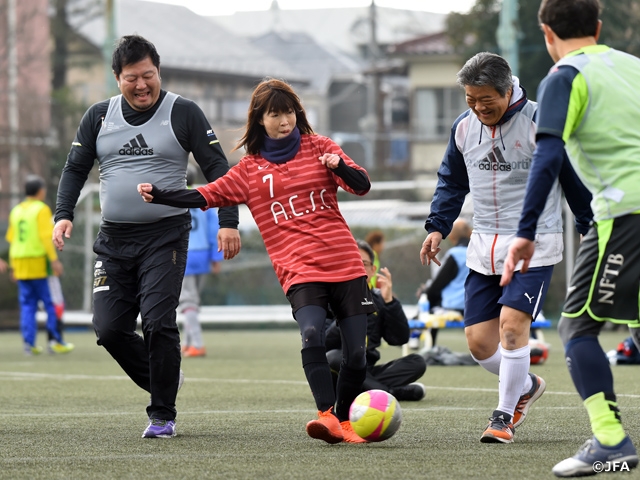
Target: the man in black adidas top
(141, 249)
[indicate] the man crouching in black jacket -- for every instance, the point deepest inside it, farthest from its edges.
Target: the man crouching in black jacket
(398, 377)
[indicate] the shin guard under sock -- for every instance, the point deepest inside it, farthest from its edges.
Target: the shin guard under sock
(316, 369)
(349, 387)
(514, 371)
(589, 367)
(591, 374)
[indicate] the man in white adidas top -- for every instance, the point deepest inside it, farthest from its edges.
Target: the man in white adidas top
(144, 133)
(489, 156)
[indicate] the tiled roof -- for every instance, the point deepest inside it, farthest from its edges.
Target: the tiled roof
(188, 41)
(436, 43)
(342, 28)
(302, 53)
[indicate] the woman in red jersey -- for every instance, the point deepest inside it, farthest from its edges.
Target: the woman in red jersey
(289, 180)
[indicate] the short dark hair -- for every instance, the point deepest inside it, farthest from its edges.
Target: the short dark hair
(570, 18)
(271, 95)
(362, 245)
(33, 185)
(374, 237)
(487, 69)
(132, 49)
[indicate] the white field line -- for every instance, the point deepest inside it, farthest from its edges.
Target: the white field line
(180, 457)
(183, 413)
(101, 378)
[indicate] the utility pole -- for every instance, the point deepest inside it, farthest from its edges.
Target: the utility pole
(376, 112)
(107, 46)
(507, 34)
(12, 74)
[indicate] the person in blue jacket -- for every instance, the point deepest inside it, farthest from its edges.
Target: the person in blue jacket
(446, 291)
(203, 258)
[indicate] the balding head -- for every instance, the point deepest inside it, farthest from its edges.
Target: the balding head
(461, 229)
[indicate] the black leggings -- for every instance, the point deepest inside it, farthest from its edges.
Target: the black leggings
(353, 331)
(311, 320)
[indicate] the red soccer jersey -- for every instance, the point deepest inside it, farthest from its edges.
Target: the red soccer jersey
(295, 206)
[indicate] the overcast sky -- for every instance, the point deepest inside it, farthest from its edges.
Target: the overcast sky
(227, 7)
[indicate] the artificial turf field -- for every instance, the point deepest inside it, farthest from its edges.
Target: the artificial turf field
(243, 409)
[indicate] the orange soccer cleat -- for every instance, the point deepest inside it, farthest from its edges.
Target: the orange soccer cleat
(326, 427)
(194, 352)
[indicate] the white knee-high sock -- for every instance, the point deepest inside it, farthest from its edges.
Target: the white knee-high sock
(491, 364)
(514, 371)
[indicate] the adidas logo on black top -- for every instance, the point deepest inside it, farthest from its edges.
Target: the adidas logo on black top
(136, 146)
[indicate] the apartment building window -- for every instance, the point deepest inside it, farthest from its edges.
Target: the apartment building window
(435, 111)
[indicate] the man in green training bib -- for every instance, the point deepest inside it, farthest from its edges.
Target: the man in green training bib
(589, 106)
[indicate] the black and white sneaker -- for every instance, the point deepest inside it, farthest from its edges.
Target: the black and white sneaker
(412, 392)
(593, 458)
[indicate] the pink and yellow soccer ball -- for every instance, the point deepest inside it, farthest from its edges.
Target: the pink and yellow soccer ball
(375, 415)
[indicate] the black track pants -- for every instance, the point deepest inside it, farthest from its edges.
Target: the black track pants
(142, 275)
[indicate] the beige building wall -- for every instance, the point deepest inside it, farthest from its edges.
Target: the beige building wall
(431, 72)
(429, 156)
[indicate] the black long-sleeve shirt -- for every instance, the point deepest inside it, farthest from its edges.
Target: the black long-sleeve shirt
(192, 130)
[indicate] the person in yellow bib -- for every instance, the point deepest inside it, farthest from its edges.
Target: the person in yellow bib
(33, 258)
